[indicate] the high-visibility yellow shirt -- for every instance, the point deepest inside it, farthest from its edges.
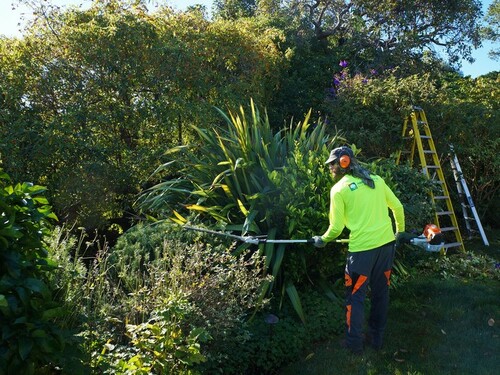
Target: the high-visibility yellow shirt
(365, 212)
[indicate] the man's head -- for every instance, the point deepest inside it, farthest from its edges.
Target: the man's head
(340, 159)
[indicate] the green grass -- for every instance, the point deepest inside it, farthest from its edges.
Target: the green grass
(436, 326)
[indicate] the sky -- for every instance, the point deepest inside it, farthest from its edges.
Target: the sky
(12, 20)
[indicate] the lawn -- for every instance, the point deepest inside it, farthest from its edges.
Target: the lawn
(437, 325)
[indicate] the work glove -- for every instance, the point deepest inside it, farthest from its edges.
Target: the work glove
(403, 238)
(318, 242)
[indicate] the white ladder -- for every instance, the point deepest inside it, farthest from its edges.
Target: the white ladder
(466, 199)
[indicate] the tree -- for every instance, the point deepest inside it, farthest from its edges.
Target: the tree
(91, 98)
(234, 9)
(386, 31)
(492, 30)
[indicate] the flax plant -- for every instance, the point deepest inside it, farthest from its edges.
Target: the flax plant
(228, 180)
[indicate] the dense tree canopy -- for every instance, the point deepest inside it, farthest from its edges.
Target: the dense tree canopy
(492, 29)
(383, 32)
(92, 98)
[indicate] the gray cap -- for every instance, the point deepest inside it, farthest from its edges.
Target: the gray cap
(338, 152)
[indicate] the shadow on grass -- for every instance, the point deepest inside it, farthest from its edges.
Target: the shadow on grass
(435, 327)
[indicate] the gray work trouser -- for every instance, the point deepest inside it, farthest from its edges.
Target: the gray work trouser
(367, 268)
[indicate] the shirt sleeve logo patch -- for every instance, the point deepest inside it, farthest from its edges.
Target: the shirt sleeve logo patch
(353, 186)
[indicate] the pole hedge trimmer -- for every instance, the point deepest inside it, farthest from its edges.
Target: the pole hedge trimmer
(430, 240)
(255, 240)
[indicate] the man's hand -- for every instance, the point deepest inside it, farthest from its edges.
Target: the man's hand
(403, 238)
(318, 242)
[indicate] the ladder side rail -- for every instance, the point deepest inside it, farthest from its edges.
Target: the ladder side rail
(469, 199)
(461, 195)
(418, 142)
(423, 160)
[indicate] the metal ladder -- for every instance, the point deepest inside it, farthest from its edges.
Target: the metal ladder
(466, 200)
(418, 140)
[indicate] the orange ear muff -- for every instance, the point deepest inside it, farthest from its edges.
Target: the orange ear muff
(344, 161)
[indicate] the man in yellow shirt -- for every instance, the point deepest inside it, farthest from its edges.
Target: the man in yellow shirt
(360, 202)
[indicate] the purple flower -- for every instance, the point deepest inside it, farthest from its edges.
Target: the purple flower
(364, 80)
(336, 82)
(343, 63)
(373, 72)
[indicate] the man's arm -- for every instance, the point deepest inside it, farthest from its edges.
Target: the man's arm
(397, 209)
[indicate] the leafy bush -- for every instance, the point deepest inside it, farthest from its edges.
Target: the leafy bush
(229, 179)
(467, 266)
(276, 336)
(174, 300)
(106, 69)
(370, 108)
(224, 288)
(163, 344)
(412, 188)
(30, 339)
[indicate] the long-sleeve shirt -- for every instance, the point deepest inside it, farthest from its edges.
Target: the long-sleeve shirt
(365, 212)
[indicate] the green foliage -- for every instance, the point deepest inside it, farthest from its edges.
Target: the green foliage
(30, 340)
(492, 30)
(466, 115)
(91, 98)
(135, 251)
(412, 188)
(231, 177)
(119, 309)
(277, 338)
(162, 344)
(234, 9)
(370, 108)
(304, 198)
(388, 33)
(464, 266)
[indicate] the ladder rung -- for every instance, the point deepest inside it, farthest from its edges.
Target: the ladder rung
(448, 229)
(441, 197)
(433, 166)
(452, 244)
(425, 137)
(444, 213)
(420, 122)
(429, 152)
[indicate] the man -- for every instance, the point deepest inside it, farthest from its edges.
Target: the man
(360, 201)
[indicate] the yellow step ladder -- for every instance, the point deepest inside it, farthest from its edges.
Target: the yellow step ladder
(418, 140)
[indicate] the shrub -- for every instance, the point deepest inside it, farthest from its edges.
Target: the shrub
(411, 187)
(30, 340)
(276, 336)
(165, 344)
(229, 179)
(157, 314)
(468, 266)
